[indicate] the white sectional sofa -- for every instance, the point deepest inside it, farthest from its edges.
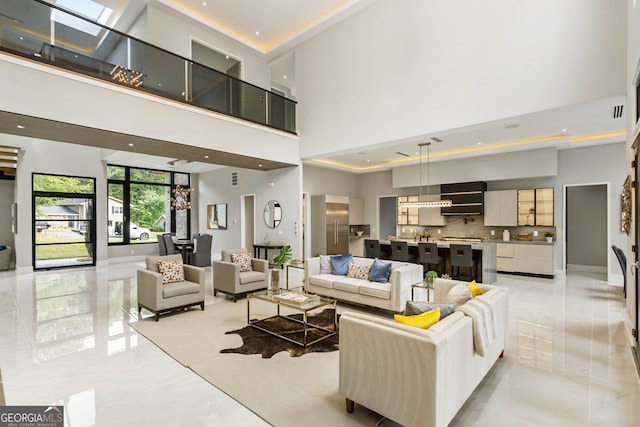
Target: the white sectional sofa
(413, 376)
(392, 295)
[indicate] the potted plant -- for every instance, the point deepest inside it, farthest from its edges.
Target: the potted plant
(549, 236)
(279, 260)
(429, 277)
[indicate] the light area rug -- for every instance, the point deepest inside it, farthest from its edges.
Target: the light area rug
(283, 390)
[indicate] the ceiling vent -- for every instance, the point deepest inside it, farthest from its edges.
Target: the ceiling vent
(617, 111)
(402, 154)
(436, 139)
(234, 179)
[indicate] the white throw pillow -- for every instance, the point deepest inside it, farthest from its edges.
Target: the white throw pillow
(459, 294)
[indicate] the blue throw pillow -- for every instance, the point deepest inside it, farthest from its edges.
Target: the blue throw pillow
(2, 247)
(340, 264)
(380, 271)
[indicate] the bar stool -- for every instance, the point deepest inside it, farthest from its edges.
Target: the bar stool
(400, 251)
(428, 255)
(462, 257)
(371, 248)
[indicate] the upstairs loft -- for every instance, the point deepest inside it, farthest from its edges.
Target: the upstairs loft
(46, 34)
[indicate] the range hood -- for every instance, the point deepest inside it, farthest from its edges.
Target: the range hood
(467, 198)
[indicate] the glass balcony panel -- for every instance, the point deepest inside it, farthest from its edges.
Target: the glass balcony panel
(26, 27)
(82, 46)
(253, 103)
(210, 89)
(162, 73)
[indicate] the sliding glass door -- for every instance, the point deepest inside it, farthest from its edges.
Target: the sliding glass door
(63, 221)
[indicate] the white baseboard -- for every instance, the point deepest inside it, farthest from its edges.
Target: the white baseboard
(587, 268)
(133, 258)
(24, 270)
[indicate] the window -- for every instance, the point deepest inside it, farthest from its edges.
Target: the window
(139, 203)
(63, 219)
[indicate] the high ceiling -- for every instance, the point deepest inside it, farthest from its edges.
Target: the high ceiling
(273, 27)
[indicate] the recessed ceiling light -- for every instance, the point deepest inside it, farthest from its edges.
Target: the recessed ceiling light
(564, 130)
(21, 38)
(368, 161)
(260, 165)
(479, 143)
(206, 157)
(130, 145)
(204, 3)
(159, 84)
(226, 57)
(257, 33)
(284, 77)
(20, 127)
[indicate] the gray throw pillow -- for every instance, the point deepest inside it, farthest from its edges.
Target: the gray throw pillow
(414, 308)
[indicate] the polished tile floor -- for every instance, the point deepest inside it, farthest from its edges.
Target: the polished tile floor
(65, 339)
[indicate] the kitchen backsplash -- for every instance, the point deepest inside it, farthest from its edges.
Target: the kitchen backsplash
(471, 227)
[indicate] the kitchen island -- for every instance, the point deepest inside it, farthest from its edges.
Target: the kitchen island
(484, 256)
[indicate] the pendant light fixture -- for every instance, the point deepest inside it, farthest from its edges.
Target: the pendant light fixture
(425, 203)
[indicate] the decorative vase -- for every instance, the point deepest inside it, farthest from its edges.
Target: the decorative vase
(274, 286)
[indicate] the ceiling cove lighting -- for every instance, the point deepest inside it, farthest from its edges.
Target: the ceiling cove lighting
(425, 203)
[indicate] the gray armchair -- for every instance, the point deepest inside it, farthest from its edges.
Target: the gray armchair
(159, 298)
(227, 277)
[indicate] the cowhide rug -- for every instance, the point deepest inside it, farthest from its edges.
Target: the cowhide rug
(256, 341)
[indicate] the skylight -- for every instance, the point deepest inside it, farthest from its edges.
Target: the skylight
(87, 8)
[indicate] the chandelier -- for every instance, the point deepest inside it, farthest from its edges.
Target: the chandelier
(180, 199)
(425, 203)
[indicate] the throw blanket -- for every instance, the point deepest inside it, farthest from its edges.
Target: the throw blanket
(481, 312)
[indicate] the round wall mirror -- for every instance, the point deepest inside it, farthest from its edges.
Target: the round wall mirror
(272, 213)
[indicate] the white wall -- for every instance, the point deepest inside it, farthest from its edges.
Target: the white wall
(7, 191)
(68, 97)
(390, 72)
(319, 181)
(255, 69)
(215, 187)
(540, 162)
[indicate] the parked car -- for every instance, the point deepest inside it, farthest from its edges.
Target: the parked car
(136, 232)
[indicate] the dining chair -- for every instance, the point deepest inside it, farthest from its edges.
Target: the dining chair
(428, 256)
(462, 257)
(171, 247)
(622, 260)
(400, 251)
(201, 255)
(162, 246)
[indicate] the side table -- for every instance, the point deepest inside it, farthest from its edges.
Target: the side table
(298, 266)
(424, 285)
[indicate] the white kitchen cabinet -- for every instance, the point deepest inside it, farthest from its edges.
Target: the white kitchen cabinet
(431, 216)
(533, 259)
(525, 258)
(504, 257)
(501, 208)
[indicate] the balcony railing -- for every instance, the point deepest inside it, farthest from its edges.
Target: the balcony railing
(44, 33)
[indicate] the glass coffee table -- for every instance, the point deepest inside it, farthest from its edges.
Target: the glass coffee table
(297, 301)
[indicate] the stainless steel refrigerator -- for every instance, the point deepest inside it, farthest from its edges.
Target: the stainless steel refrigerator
(330, 225)
(337, 228)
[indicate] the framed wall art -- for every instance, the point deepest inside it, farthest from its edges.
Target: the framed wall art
(217, 216)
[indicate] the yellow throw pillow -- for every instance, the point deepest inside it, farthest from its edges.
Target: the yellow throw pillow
(172, 271)
(423, 321)
(474, 289)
